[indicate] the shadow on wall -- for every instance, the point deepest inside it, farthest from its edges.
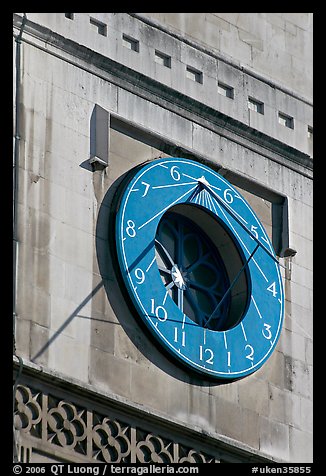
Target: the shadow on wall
(74, 314)
(118, 297)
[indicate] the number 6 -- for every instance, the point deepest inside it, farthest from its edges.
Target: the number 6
(174, 173)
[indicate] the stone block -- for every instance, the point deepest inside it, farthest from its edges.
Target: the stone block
(78, 212)
(284, 407)
(298, 377)
(138, 111)
(182, 131)
(130, 348)
(300, 446)
(79, 285)
(302, 275)
(254, 395)
(228, 419)
(273, 370)
(302, 214)
(250, 424)
(217, 21)
(102, 332)
(309, 351)
(298, 319)
(306, 414)
(149, 387)
(274, 438)
(199, 60)
(239, 51)
(225, 392)
(39, 344)
(63, 316)
(70, 244)
(22, 337)
(32, 302)
(206, 142)
(301, 295)
(67, 355)
(178, 400)
(292, 343)
(235, 106)
(164, 42)
(202, 409)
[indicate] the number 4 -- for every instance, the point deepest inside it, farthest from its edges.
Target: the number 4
(272, 289)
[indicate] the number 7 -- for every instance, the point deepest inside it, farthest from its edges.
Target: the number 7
(147, 185)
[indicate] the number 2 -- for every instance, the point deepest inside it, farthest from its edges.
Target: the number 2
(250, 356)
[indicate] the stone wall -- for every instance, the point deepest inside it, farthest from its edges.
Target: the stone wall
(276, 45)
(72, 318)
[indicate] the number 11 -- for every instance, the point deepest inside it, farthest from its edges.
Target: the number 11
(183, 337)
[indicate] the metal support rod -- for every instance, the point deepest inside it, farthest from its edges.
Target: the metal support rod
(205, 185)
(231, 286)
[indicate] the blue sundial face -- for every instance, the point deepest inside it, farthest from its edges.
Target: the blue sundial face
(199, 268)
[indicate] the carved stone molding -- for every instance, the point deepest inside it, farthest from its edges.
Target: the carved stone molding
(57, 420)
(60, 424)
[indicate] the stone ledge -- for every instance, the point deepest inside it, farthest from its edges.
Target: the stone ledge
(167, 97)
(88, 396)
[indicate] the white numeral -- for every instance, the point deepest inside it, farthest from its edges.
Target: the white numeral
(183, 337)
(174, 173)
(147, 185)
(272, 289)
(250, 356)
(253, 230)
(140, 275)
(228, 197)
(206, 354)
(159, 311)
(268, 334)
(130, 229)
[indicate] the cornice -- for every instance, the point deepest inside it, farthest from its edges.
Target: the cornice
(164, 96)
(85, 394)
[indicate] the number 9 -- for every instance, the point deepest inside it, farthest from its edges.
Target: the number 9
(140, 275)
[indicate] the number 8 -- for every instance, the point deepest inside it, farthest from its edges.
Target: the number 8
(130, 229)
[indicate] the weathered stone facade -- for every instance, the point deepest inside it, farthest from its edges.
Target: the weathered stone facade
(232, 90)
